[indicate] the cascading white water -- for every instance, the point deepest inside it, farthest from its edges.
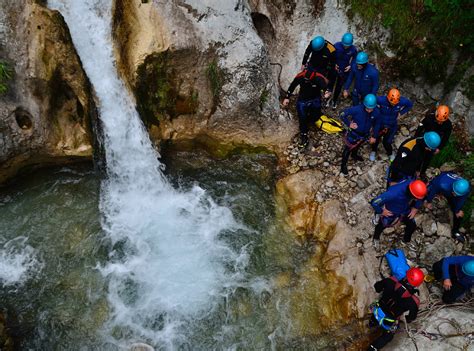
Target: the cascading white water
(169, 267)
(18, 261)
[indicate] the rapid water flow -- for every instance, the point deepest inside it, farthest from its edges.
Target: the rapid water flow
(169, 267)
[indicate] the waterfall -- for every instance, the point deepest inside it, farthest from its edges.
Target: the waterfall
(168, 269)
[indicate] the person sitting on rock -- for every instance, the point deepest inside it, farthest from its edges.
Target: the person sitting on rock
(308, 104)
(391, 108)
(399, 203)
(366, 78)
(411, 157)
(320, 56)
(345, 54)
(360, 120)
(435, 121)
(397, 298)
(457, 275)
(456, 191)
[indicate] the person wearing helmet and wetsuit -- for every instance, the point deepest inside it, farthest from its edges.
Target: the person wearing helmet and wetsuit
(345, 55)
(411, 157)
(435, 121)
(308, 105)
(457, 275)
(400, 202)
(398, 297)
(360, 119)
(456, 191)
(320, 56)
(391, 107)
(365, 77)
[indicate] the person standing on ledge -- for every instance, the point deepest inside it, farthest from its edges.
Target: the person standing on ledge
(360, 120)
(320, 56)
(345, 55)
(399, 203)
(435, 121)
(391, 108)
(308, 105)
(365, 77)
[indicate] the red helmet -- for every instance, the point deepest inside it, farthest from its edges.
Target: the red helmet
(393, 96)
(415, 276)
(442, 113)
(418, 189)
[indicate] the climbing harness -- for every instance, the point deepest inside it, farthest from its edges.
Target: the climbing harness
(382, 318)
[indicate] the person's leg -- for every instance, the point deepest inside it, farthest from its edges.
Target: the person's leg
(355, 152)
(345, 157)
(355, 98)
(438, 269)
(378, 230)
(426, 163)
(301, 108)
(410, 227)
(454, 293)
(388, 140)
(337, 89)
(381, 341)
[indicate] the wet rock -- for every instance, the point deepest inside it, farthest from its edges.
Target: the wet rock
(141, 347)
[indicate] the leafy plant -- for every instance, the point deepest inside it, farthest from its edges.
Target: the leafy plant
(263, 98)
(6, 74)
(216, 78)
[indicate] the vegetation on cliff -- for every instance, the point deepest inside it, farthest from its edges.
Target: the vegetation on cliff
(428, 37)
(6, 74)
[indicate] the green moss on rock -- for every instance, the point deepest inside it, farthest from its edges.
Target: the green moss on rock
(158, 90)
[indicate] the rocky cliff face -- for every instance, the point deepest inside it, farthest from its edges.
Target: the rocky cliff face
(45, 117)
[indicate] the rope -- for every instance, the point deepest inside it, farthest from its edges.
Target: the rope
(279, 75)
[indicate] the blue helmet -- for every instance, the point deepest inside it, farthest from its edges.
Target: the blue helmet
(347, 39)
(432, 140)
(370, 101)
(468, 268)
(461, 187)
(362, 58)
(318, 43)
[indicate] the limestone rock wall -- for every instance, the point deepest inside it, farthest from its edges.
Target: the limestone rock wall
(45, 117)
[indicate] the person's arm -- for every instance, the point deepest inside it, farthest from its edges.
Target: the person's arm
(447, 261)
(459, 202)
(421, 128)
(376, 124)
(308, 51)
(433, 189)
(412, 312)
(292, 87)
(383, 284)
(446, 135)
(344, 116)
(407, 106)
(379, 202)
(375, 81)
(349, 79)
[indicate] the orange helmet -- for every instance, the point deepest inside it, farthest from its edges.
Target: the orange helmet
(393, 96)
(415, 276)
(418, 189)
(442, 113)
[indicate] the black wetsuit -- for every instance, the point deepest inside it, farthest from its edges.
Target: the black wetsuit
(411, 158)
(308, 105)
(429, 124)
(394, 302)
(322, 61)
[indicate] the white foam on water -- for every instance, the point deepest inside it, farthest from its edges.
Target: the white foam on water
(170, 268)
(18, 261)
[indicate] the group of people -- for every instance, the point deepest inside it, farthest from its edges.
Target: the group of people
(327, 70)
